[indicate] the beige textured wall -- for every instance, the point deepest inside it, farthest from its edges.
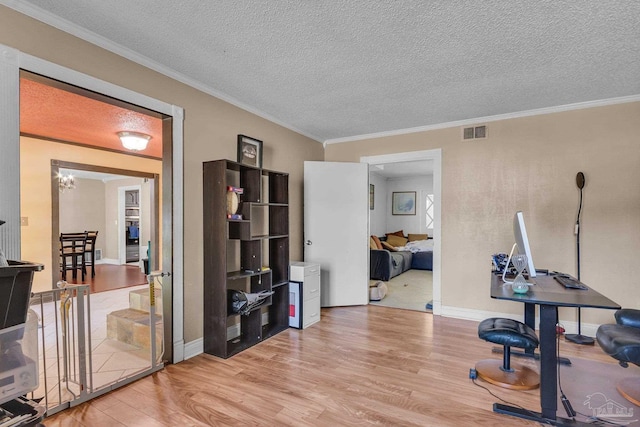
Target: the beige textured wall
(530, 164)
(35, 193)
(83, 208)
(211, 127)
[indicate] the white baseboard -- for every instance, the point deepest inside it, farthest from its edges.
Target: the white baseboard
(193, 348)
(113, 261)
(476, 315)
(196, 347)
(588, 329)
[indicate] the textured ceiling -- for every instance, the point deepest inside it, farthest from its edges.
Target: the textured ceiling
(335, 70)
(58, 114)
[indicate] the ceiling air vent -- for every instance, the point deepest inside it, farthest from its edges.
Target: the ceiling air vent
(477, 132)
(467, 133)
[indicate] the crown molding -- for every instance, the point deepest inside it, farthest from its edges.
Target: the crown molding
(100, 41)
(487, 119)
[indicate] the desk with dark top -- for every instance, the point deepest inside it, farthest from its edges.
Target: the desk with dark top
(548, 294)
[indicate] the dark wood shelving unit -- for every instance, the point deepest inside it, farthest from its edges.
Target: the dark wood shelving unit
(249, 254)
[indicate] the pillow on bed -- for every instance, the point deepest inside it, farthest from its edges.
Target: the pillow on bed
(376, 242)
(399, 233)
(387, 246)
(396, 241)
(414, 237)
(372, 243)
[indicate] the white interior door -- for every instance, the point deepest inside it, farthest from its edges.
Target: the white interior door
(336, 229)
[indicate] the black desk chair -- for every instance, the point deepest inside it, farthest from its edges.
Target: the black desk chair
(72, 247)
(508, 333)
(622, 342)
(90, 251)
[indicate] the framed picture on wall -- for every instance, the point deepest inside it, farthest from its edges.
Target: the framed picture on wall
(249, 151)
(371, 196)
(403, 203)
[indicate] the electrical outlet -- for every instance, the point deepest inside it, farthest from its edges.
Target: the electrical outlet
(24, 221)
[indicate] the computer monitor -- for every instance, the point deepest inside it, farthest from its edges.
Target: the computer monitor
(522, 241)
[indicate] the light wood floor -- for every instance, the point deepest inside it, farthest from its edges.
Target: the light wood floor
(363, 365)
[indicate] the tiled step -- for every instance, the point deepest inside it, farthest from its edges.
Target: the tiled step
(139, 300)
(131, 326)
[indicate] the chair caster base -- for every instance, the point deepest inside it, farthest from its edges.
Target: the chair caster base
(630, 389)
(520, 378)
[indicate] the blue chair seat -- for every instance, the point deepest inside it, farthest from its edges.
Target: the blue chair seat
(622, 342)
(508, 332)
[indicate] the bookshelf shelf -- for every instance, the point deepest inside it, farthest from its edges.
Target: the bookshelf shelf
(249, 254)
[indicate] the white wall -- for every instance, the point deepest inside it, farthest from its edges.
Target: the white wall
(378, 216)
(414, 224)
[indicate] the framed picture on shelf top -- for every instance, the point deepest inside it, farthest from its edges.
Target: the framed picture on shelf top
(403, 203)
(249, 151)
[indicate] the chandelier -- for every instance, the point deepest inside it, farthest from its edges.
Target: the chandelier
(66, 182)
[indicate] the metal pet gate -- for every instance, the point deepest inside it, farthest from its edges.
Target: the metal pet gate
(67, 339)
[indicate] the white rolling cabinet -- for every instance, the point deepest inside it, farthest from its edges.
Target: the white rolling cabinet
(308, 300)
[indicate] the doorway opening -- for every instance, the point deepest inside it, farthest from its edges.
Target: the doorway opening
(61, 123)
(127, 228)
(13, 209)
(434, 159)
(30, 201)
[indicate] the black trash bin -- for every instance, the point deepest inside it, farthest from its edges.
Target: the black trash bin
(15, 292)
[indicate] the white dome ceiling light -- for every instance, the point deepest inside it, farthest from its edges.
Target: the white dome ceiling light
(135, 141)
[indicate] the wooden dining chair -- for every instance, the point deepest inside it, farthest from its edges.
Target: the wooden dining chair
(72, 249)
(90, 251)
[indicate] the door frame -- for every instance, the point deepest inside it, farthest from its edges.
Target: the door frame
(436, 156)
(56, 165)
(11, 61)
(122, 244)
